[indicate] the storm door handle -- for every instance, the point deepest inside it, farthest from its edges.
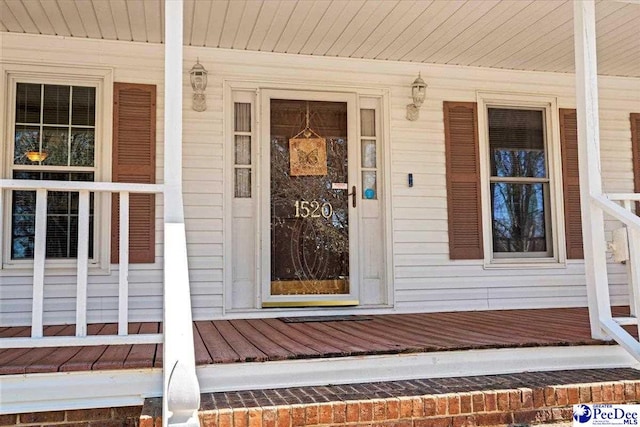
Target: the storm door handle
(353, 196)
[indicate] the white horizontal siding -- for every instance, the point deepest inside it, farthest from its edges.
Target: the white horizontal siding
(203, 183)
(424, 278)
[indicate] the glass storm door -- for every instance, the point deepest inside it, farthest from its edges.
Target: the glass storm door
(311, 205)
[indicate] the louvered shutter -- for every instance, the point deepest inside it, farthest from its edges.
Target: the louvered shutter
(463, 180)
(134, 161)
(635, 148)
(571, 183)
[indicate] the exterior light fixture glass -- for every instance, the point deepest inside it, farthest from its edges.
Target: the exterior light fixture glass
(198, 76)
(418, 93)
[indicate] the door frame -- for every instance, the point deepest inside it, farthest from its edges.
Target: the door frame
(264, 204)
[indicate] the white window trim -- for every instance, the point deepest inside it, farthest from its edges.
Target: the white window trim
(549, 106)
(102, 79)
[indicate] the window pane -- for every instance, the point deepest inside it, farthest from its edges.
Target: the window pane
(62, 217)
(22, 238)
(369, 188)
(243, 182)
(368, 122)
(518, 163)
(28, 103)
(26, 175)
(23, 219)
(27, 138)
(57, 202)
(516, 141)
(24, 202)
(518, 212)
(58, 231)
(516, 128)
(368, 153)
(54, 176)
(81, 176)
(56, 145)
(242, 117)
(243, 150)
(83, 110)
(82, 147)
(55, 110)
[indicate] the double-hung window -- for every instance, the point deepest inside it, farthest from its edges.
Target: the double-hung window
(519, 183)
(54, 134)
(520, 173)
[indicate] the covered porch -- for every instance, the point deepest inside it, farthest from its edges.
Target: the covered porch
(314, 337)
(42, 365)
(247, 354)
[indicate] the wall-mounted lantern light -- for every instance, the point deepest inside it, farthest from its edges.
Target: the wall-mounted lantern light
(418, 93)
(199, 83)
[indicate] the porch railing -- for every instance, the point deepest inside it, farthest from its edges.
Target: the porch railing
(84, 189)
(619, 207)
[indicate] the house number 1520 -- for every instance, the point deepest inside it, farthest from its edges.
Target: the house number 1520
(313, 209)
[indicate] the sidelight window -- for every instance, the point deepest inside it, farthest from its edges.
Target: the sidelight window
(242, 149)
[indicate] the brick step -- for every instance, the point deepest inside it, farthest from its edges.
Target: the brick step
(495, 400)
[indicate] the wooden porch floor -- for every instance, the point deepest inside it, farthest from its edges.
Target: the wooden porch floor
(232, 341)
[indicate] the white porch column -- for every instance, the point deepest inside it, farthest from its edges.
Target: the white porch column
(589, 163)
(181, 397)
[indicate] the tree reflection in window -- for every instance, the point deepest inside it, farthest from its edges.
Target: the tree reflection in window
(519, 181)
(312, 250)
(518, 217)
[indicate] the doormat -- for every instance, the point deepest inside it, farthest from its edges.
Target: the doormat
(306, 319)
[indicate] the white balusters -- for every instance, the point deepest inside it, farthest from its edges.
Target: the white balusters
(83, 263)
(39, 253)
(123, 276)
(84, 190)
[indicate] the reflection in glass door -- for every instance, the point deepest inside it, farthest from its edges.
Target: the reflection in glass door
(309, 198)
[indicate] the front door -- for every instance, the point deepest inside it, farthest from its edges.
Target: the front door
(312, 201)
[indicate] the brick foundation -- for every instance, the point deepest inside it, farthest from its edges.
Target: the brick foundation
(102, 417)
(499, 400)
(490, 408)
(446, 404)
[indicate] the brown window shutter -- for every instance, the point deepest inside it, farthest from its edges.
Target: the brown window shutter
(571, 183)
(635, 148)
(463, 180)
(134, 161)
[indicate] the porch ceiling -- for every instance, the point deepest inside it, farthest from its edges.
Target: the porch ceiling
(513, 34)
